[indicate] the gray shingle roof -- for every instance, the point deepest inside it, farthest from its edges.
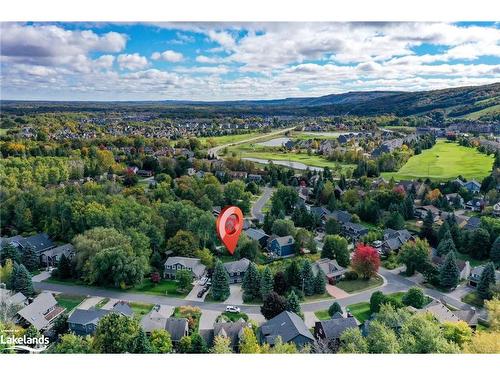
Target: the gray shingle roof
(334, 328)
(36, 313)
(84, 317)
(287, 325)
(231, 330)
(177, 327)
(194, 263)
(237, 266)
(255, 234)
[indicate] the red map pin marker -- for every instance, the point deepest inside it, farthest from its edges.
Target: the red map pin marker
(229, 225)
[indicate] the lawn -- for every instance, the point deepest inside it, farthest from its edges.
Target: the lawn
(360, 311)
(322, 314)
(164, 287)
(68, 302)
(141, 309)
(473, 299)
(351, 286)
(446, 160)
(231, 138)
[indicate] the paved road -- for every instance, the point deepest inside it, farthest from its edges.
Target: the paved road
(393, 283)
(260, 203)
(215, 150)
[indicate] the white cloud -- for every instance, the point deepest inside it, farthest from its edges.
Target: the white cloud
(168, 55)
(132, 61)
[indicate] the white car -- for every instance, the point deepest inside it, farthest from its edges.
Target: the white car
(232, 309)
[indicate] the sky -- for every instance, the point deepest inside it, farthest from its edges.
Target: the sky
(233, 61)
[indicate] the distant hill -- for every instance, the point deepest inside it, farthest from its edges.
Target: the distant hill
(472, 102)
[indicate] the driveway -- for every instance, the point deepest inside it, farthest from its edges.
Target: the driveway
(236, 296)
(89, 303)
(41, 276)
(208, 317)
(193, 294)
(260, 203)
(310, 319)
(336, 292)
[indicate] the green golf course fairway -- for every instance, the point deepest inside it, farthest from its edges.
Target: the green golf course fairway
(445, 160)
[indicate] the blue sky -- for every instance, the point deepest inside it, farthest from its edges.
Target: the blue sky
(230, 61)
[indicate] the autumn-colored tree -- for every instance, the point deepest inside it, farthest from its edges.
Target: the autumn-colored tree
(365, 261)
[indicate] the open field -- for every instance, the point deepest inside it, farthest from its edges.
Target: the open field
(225, 139)
(446, 160)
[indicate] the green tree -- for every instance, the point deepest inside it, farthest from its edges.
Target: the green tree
(445, 246)
(427, 230)
(280, 284)
(449, 274)
(414, 255)
(486, 280)
(395, 221)
(220, 282)
(117, 334)
(266, 283)
(73, 344)
(495, 252)
(307, 278)
(319, 282)
(480, 244)
(64, 268)
(142, 344)
(457, 332)
(247, 248)
(198, 344)
(183, 244)
(414, 297)
(248, 342)
(235, 195)
(334, 308)
(251, 284)
(273, 305)
(184, 280)
(293, 274)
(335, 247)
(382, 339)
(21, 280)
(332, 226)
(376, 300)
(283, 227)
(10, 252)
(30, 259)
(222, 345)
(353, 342)
(160, 341)
(293, 303)
(185, 344)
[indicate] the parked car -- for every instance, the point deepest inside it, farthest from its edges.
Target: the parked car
(203, 281)
(233, 309)
(201, 293)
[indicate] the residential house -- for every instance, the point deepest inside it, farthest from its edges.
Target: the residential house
(463, 267)
(258, 235)
(353, 230)
(321, 213)
(394, 239)
(236, 270)
(444, 315)
(421, 212)
(50, 258)
(287, 325)
(238, 175)
(281, 246)
(475, 276)
(231, 330)
(8, 297)
(332, 270)
(41, 312)
(174, 264)
(472, 186)
(156, 319)
(388, 146)
(84, 322)
(475, 204)
(332, 329)
(340, 216)
(178, 328)
(473, 223)
(257, 178)
(496, 209)
(455, 200)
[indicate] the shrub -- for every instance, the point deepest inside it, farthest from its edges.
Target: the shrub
(351, 275)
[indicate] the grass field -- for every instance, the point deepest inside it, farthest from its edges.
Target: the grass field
(473, 299)
(68, 302)
(225, 139)
(164, 287)
(322, 314)
(361, 311)
(446, 160)
(358, 285)
(494, 109)
(141, 309)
